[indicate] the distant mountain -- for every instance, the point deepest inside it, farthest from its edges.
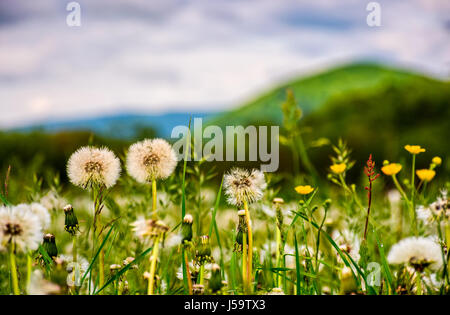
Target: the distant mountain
(122, 125)
(311, 92)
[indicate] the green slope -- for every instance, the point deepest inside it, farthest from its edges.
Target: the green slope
(311, 92)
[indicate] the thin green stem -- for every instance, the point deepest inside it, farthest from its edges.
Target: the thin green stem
(29, 268)
(202, 274)
(13, 266)
(278, 256)
(244, 262)
(413, 190)
(188, 273)
(154, 199)
(155, 251)
(250, 245)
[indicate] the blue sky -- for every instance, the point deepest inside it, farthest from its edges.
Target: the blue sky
(176, 55)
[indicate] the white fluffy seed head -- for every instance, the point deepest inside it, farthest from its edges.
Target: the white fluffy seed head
(151, 159)
(21, 226)
(40, 211)
(90, 166)
(416, 250)
(242, 185)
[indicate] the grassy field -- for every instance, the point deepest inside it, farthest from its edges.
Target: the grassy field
(364, 215)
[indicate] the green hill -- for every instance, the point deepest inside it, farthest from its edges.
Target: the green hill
(311, 92)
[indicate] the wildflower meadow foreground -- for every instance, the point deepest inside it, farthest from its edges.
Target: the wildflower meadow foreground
(141, 222)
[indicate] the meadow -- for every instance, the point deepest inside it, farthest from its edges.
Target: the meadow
(132, 220)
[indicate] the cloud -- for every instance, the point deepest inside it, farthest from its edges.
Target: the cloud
(156, 56)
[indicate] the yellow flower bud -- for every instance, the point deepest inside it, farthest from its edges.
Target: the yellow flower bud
(436, 160)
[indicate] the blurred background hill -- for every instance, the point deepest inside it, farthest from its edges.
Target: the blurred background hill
(376, 109)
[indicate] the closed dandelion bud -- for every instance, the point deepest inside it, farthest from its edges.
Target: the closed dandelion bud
(242, 228)
(215, 282)
(71, 221)
(204, 250)
(186, 229)
(50, 245)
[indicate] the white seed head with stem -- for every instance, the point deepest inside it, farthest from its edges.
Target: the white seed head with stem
(151, 159)
(419, 252)
(91, 166)
(243, 185)
(20, 226)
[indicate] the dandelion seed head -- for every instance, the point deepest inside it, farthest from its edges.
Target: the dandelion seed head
(143, 228)
(242, 185)
(21, 226)
(419, 252)
(151, 159)
(90, 166)
(40, 211)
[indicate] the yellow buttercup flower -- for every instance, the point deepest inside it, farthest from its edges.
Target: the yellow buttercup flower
(425, 174)
(436, 160)
(391, 169)
(414, 149)
(338, 168)
(304, 190)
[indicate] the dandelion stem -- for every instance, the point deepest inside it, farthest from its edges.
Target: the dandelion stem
(12, 260)
(250, 245)
(244, 261)
(418, 283)
(29, 267)
(74, 249)
(202, 274)
(101, 270)
(278, 254)
(188, 272)
(154, 258)
(154, 199)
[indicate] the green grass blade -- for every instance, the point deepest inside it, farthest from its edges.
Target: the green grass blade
(123, 270)
(216, 206)
(384, 262)
(183, 207)
(96, 254)
(297, 265)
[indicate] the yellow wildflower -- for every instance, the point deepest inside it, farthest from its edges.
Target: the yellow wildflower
(425, 174)
(436, 160)
(338, 168)
(391, 169)
(414, 149)
(304, 190)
